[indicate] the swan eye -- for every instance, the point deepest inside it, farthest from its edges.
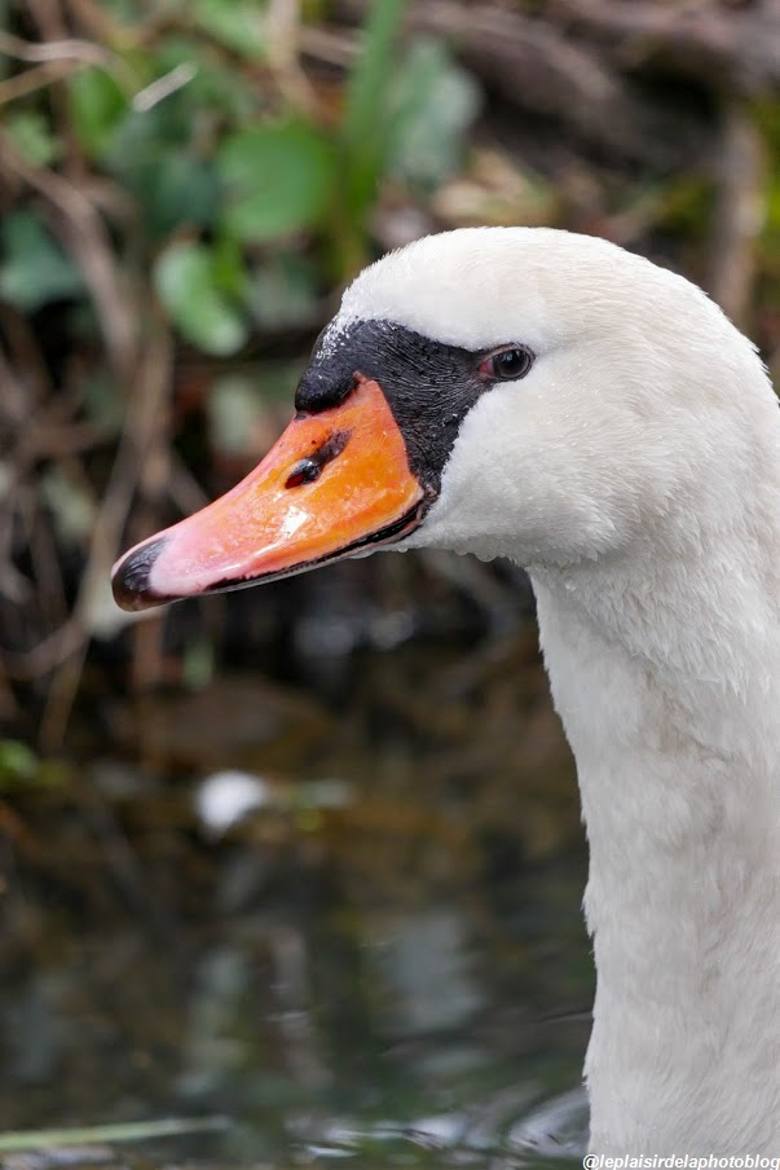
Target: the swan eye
(507, 365)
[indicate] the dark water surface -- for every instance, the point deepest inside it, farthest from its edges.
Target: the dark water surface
(381, 963)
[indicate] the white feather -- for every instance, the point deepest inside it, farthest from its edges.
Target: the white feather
(635, 472)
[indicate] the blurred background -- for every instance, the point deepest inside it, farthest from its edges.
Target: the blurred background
(300, 867)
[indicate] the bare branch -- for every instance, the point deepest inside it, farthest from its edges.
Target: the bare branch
(70, 50)
(141, 437)
(164, 86)
(31, 80)
(67, 54)
(723, 45)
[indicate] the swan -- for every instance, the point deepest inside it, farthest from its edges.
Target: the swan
(549, 397)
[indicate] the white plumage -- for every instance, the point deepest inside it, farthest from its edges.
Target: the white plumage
(635, 472)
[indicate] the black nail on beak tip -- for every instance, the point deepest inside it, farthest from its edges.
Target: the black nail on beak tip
(130, 582)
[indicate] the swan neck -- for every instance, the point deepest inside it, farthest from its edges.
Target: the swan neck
(667, 679)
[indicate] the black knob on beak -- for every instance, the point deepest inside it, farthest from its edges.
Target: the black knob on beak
(130, 580)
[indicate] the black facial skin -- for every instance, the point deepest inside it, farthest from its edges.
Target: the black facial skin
(429, 386)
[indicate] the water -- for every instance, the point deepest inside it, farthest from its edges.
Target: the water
(361, 946)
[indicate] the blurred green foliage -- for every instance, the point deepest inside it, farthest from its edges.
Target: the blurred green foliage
(768, 119)
(236, 170)
(184, 185)
(21, 768)
(35, 270)
(198, 298)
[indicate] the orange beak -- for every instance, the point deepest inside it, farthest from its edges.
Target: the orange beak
(334, 483)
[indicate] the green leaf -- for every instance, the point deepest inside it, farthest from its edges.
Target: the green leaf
(237, 24)
(279, 179)
(435, 103)
(173, 189)
(97, 107)
(368, 96)
(34, 269)
(21, 768)
(33, 137)
(188, 285)
(18, 764)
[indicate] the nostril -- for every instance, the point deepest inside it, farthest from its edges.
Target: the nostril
(309, 469)
(130, 579)
(304, 471)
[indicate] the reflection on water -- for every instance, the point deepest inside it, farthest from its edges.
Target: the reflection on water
(356, 935)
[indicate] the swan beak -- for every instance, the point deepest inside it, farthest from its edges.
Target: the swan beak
(334, 484)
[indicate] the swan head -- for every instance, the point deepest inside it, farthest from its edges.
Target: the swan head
(501, 391)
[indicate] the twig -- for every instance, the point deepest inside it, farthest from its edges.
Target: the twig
(70, 50)
(535, 66)
(98, 18)
(337, 48)
(68, 54)
(283, 32)
(86, 237)
(31, 80)
(137, 441)
(49, 654)
(737, 47)
(164, 86)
